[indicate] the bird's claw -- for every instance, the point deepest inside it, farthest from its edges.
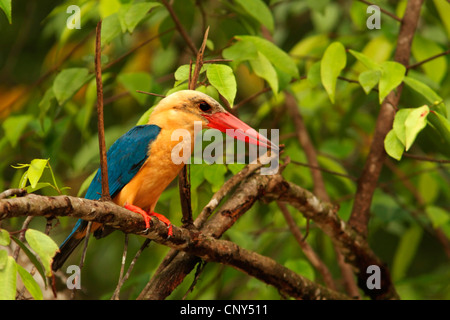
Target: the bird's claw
(147, 218)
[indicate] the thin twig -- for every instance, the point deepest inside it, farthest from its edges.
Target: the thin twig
(101, 126)
(86, 241)
(393, 16)
(306, 248)
(183, 177)
(421, 158)
(200, 267)
(415, 65)
(115, 296)
(325, 170)
(180, 27)
(151, 94)
(319, 184)
(22, 236)
(159, 35)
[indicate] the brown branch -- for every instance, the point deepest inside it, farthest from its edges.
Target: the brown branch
(116, 293)
(180, 27)
(354, 248)
(12, 192)
(367, 183)
(393, 16)
(101, 126)
(319, 184)
(343, 175)
(306, 248)
(126, 54)
(421, 158)
(184, 185)
(417, 64)
(193, 242)
(151, 94)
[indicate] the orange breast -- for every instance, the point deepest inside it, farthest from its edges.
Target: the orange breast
(155, 175)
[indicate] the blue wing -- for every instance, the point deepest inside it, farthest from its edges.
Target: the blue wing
(125, 157)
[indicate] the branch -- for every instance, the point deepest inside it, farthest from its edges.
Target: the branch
(180, 27)
(183, 177)
(193, 242)
(415, 65)
(351, 244)
(319, 184)
(306, 248)
(367, 183)
(393, 16)
(101, 126)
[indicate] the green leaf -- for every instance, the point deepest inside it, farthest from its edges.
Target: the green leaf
(32, 258)
(44, 246)
(443, 8)
(392, 75)
(428, 187)
(369, 79)
(428, 93)
(438, 216)
(240, 51)
(3, 258)
(5, 5)
(35, 171)
(314, 74)
(29, 283)
(280, 59)
(442, 126)
(108, 7)
(264, 69)
(406, 251)
(215, 175)
(8, 278)
(365, 60)
(302, 267)
(5, 239)
(68, 82)
(136, 13)
(136, 81)
(399, 124)
(111, 28)
(38, 186)
(414, 123)
(182, 73)
(14, 127)
(258, 10)
(222, 78)
(333, 61)
(393, 146)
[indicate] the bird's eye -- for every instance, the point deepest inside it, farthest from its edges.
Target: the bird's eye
(205, 107)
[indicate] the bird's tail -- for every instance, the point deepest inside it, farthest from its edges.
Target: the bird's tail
(72, 241)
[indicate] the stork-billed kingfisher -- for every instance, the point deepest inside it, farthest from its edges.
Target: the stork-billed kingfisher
(140, 165)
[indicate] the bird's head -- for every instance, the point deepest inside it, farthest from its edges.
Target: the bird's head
(181, 109)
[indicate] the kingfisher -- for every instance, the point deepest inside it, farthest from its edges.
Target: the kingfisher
(140, 164)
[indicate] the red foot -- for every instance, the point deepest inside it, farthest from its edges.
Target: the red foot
(147, 217)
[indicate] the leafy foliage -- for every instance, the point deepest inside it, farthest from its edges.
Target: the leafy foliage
(321, 52)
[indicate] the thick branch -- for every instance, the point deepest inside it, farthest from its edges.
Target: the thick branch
(255, 187)
(367, 183)
(100, 122)
(193, 242)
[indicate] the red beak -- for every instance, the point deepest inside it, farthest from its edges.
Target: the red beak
(224, 120)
